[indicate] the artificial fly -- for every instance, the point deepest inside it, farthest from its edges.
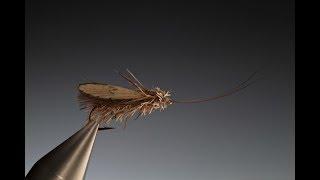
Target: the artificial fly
(108, 103)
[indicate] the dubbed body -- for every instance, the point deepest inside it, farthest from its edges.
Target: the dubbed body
(109, 103)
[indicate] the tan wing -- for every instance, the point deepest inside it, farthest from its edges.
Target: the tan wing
(106, 91)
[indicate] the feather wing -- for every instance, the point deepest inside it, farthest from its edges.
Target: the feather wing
(106, 91)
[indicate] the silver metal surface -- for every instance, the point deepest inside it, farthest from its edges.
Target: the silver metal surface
(69, 160)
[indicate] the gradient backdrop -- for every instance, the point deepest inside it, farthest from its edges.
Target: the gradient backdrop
(193, 49)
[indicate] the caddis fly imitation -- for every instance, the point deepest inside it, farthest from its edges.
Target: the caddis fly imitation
(108, 103)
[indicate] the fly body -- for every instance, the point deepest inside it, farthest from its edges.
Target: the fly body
(108, 103)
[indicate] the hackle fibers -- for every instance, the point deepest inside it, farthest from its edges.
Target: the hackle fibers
(108, 111)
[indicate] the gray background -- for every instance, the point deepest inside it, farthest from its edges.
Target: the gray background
(192, 49)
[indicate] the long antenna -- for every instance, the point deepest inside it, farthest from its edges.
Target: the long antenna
(241, 86)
